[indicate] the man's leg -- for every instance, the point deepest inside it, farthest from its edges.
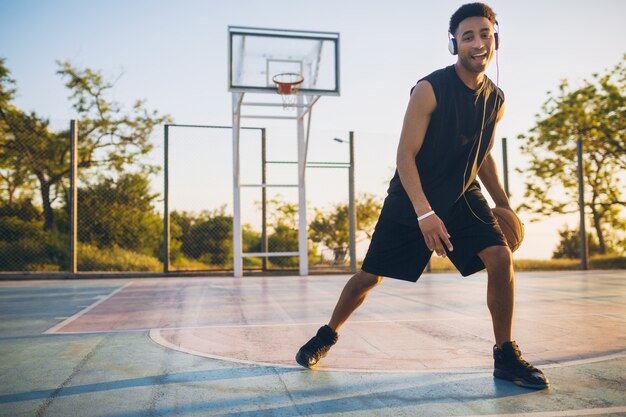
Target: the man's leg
(354, 293)
(500, 290)
(508, 361)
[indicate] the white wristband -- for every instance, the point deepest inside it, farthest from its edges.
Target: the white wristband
(423, 216)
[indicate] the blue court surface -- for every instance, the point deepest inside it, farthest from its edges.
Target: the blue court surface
(222, 346)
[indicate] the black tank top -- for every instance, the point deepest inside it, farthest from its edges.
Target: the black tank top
(459, 134)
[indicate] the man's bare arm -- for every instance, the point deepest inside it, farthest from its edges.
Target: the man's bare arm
(488, 174)
(421, 106)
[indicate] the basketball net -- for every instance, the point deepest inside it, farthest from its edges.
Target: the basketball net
(287, 84)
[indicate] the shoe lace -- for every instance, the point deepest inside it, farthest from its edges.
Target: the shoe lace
(518, 354)
(316, 346)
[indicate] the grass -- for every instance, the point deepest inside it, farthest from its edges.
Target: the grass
(92, 258)
(597, 262)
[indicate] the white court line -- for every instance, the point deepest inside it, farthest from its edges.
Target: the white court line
(565, 413)
(155, 335)
(85, 310)
(317, 323)
(235, 326)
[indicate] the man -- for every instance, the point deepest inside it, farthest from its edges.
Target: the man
(434, 201)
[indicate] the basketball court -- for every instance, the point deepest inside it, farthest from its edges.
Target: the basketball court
(225, 346)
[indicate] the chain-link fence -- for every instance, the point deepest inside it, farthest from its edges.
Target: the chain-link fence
(34, 173)
(98, 213)
(199, 195)
(168, 208)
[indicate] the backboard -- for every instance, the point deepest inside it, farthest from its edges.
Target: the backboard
(257, 54)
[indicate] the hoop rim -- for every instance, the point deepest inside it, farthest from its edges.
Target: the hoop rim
(287, 87)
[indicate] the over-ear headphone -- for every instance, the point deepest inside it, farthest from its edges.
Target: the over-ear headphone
(454, 49)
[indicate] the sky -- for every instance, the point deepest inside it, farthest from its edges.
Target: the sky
(174, 55)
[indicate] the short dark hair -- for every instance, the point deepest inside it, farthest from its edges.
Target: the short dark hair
(471, 10)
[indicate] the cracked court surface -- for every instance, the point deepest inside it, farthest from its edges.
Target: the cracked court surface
(225, 346)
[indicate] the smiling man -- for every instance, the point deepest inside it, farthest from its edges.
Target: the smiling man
(434, 201)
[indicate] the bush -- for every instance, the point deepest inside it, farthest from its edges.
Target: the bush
(182, 263)
(569, 245)
(13, 228)
(283, 239)
(24, 246)
(119, 213)
(608, 262)
(24, 210)
(92, 258)
(48, 251)
(597, 262)
(210, 240)
(561, 264)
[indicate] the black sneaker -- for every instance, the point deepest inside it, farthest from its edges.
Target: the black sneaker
(316, 348)
(510, 365)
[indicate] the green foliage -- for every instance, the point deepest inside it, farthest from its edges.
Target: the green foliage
(251, 239)
(93, 258)
(569, 245)
(12, 229)
(7, 91)
(181, 263)
(109, 137)
(283, 239)
(563, 264)
(608, 262)
(119, 213)
(22, 209)
(206, 237)
(283, 236)
(332, 228)
(26, 247)
(595, 113)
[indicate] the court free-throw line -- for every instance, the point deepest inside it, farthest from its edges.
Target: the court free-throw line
(155, 335)
(85, 310)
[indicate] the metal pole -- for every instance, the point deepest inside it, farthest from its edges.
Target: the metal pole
(73, 194)
(237, 237)
(166, 203)
(302, 224)
(584, 252)
(505, 167)
(352, 207)
(264, 198)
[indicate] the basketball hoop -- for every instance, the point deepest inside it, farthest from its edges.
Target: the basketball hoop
(288, 84)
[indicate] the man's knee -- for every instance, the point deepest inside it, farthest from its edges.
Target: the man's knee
(497, 258)
(364, 281)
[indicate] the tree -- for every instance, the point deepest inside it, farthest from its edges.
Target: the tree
(595, 113)
(108, 137)
(569, 245)
(207, 236)
(332, 228)
(119, 212)
(283, 220)
(13, 174)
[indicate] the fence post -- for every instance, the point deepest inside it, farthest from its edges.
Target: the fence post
(263, 199)
(166, 205)
(352, 207)
(581, 203)
(73, 193)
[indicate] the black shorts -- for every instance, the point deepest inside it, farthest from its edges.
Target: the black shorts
(398, 250)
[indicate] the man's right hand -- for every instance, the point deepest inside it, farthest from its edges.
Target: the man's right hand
(435, 235)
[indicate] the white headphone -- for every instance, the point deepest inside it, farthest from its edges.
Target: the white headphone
(454, 49)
